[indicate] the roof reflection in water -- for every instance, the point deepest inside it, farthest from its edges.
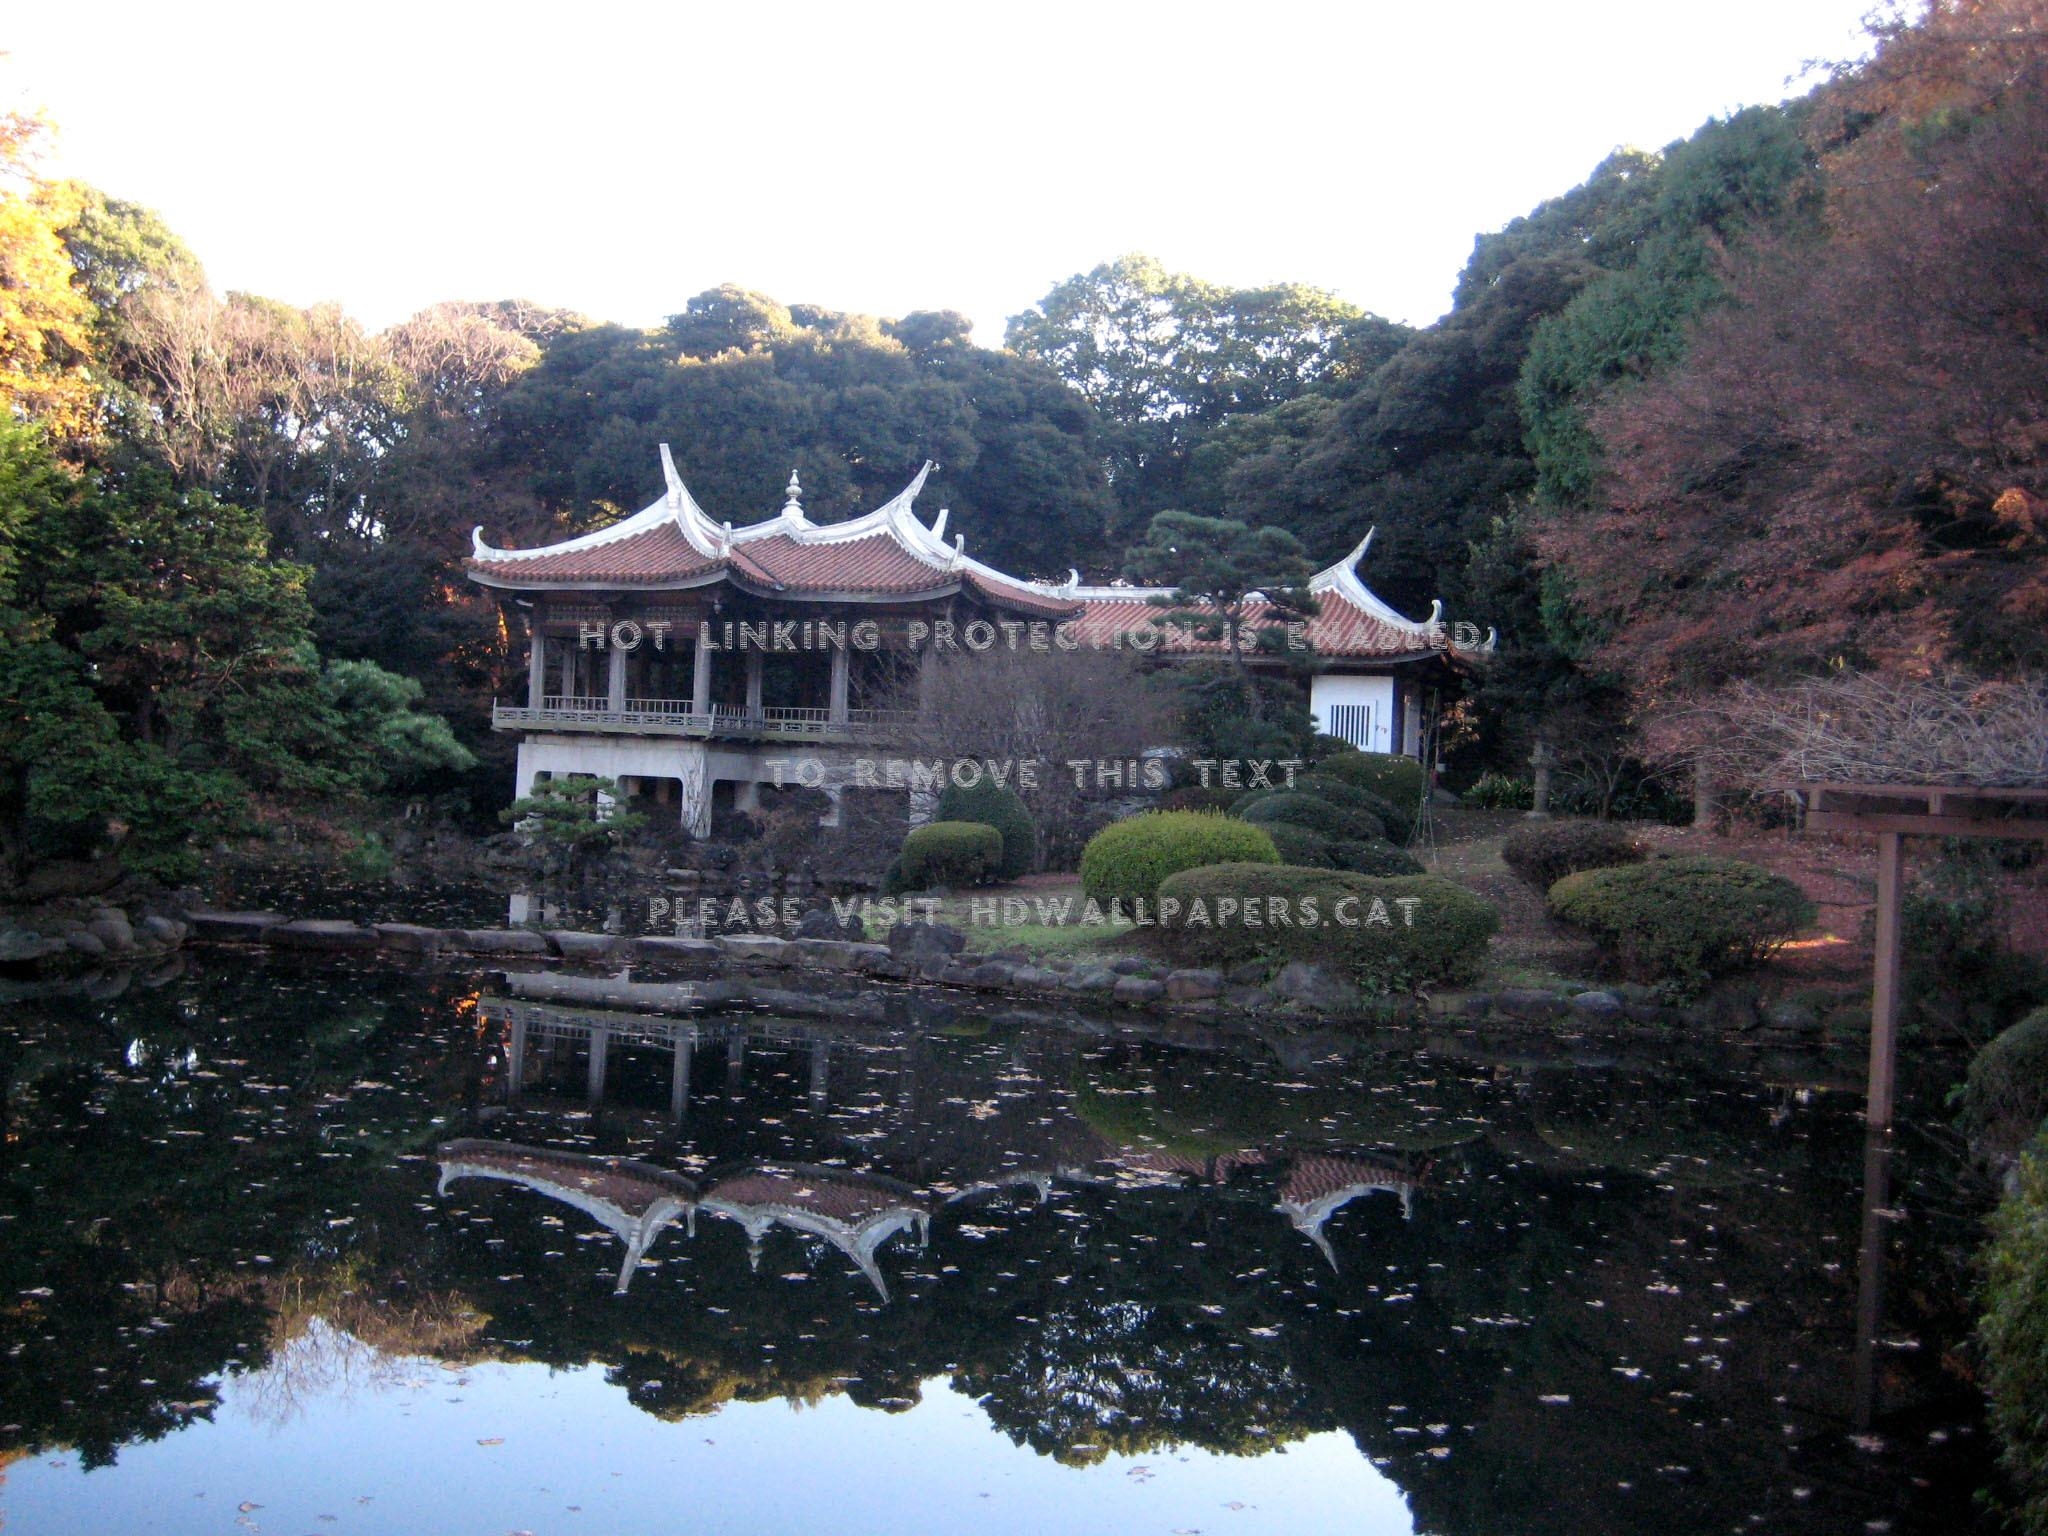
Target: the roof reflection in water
(857, 1212)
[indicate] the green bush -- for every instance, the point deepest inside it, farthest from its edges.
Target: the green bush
(1544, 852)
(1960, 976)
(994, 805)
(1681, 922)
(951, 853)
(2015, 1334)
(1399, 820)
(1127, 859)
(1398, 779)
(2005, 1097)
(1384, 934)
(1498, 792)
(1299, 846)
(1317, 814)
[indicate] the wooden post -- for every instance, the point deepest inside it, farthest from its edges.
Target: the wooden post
(536, 665)
(754, 660)
(615, 681)
(1884, 997)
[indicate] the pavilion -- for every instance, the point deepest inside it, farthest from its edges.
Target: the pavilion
(680, 656)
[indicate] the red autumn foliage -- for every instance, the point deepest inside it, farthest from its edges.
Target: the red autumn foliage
(1850, 468)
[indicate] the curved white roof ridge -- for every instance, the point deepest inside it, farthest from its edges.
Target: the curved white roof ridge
(625, 528)
(1342, 579)
(691, 520)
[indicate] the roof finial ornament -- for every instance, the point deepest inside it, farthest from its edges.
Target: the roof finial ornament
(794, 507)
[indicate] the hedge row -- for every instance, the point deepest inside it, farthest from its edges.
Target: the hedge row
(1384, 934)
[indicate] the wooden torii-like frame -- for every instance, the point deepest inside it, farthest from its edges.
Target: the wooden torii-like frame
(1896, 812)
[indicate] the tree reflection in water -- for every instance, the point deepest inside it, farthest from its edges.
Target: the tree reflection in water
(1611, 1293)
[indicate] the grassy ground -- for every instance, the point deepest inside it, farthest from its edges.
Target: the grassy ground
(1044, 894)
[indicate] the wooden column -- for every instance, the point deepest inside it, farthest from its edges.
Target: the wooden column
(1884, 996)
(568, 668)
(615, 690)
(536, 665)
(754, 660)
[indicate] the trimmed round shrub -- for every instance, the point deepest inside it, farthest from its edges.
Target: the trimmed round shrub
(1678, 923)
(1398, 779)
(1399, 820)
(995, 805)
(2015, 1334)
(950, 853)
(1399, 824)
(1384, 934)
(1311, 850)
(2005, 1097)
(1317, 814)
(1544, 852)
(1127, 859)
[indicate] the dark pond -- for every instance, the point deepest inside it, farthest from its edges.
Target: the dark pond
(311, 1248)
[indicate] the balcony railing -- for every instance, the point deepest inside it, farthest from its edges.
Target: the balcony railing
(679, 717)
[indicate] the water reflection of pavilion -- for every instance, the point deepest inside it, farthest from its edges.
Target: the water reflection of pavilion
(917, 1116)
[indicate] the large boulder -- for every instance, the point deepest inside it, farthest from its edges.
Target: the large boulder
(921, 941)
(410, 938)
(571, 944)
(823, 923)
(232, 927)
(762, 948)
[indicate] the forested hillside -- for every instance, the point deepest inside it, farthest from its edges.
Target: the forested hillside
(1766, 402)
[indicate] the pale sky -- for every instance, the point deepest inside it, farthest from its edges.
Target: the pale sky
(878, 157)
